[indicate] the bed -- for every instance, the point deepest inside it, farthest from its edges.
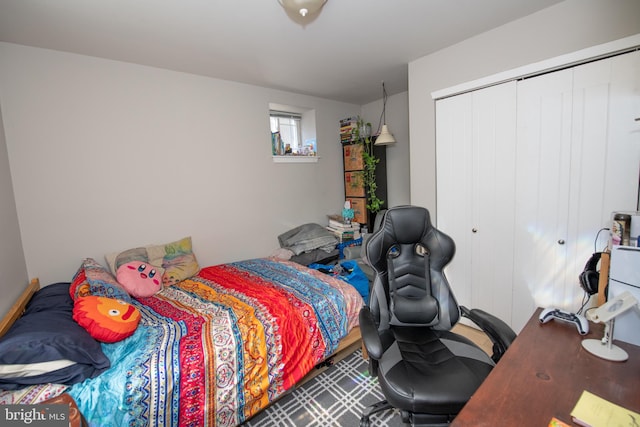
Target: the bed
(214, 349)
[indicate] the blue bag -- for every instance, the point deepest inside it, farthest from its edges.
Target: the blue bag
(350, 272)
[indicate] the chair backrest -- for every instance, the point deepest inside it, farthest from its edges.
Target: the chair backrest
(408, 256)
(377, 222)
(376, 226)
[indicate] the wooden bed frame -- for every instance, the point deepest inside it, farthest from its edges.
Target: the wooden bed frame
(18, 308)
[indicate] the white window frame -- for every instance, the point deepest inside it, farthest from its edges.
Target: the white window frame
(280, 121)
(306, 134)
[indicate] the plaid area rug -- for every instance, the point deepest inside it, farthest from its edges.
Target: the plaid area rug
(335, 398)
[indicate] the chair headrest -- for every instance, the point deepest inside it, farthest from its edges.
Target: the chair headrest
(406, 225)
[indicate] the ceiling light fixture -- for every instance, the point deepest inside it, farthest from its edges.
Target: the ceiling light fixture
(384, 136)
(302, 7)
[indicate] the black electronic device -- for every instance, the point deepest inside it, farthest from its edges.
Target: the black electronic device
(590, 276)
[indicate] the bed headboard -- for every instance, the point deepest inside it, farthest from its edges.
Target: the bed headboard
(18, 308)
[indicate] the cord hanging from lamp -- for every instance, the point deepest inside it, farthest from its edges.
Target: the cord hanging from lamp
(302, 8)
(384, 136)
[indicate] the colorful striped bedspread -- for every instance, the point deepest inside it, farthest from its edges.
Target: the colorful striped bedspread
(215, 349)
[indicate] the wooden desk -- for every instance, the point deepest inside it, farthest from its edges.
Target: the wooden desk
(543, 374)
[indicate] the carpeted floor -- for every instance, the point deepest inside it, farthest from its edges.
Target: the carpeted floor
(335, 398)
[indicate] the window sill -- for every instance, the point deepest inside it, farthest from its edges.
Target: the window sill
(295, 159)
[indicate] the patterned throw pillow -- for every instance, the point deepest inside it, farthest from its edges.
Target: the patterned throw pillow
(176, 258)
(94, 279)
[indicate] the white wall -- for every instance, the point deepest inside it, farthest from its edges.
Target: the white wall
(564, 28)
(397, 113)
(108, 155)
(12, 263)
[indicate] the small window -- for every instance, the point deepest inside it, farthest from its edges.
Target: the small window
(286, 133)
(293, 131)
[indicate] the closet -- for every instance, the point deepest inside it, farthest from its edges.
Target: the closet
(475, 136)
(528, 172)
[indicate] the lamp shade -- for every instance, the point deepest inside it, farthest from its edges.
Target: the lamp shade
(302, 7)
(385, 137)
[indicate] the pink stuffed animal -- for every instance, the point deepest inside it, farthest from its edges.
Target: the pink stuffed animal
(140, 279)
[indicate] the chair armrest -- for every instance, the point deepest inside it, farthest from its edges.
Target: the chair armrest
(370, 336)
(500, 334)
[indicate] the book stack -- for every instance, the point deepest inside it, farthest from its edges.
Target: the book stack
(344, 232)
(347, 128)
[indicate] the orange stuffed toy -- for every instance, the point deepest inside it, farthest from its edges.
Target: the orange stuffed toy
(106, 319)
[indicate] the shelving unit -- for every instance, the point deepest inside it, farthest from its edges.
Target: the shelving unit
(353, 169)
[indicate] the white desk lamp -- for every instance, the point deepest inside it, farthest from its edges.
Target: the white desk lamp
(605, 348)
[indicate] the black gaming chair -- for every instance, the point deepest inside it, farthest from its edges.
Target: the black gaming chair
(425, 371)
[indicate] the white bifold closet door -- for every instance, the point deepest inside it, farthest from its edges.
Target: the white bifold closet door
(528, 172)
(475, 135)
(577, 161)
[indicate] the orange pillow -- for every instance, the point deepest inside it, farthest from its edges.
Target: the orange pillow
(106, 319)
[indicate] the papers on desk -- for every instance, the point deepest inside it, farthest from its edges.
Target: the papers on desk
(594, 411)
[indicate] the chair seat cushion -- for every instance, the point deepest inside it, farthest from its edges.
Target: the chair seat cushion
(433, 372)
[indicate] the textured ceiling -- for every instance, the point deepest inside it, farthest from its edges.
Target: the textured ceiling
(344, 54)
